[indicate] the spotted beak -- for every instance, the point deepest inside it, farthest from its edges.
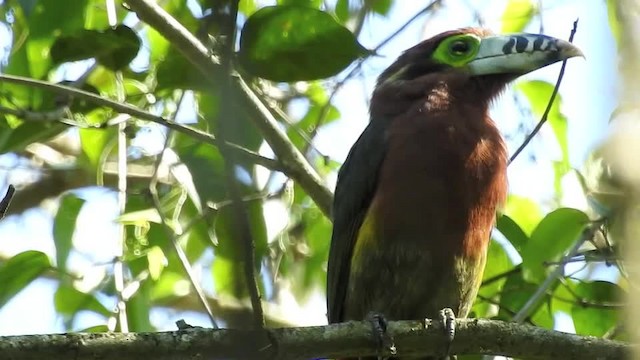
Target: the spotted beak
(519, 54)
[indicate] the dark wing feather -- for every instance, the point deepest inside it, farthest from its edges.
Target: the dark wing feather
(356, 185)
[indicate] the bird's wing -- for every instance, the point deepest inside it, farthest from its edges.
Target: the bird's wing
(356, 185)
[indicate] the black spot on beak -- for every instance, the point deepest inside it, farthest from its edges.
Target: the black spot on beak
(537, 44)
(508, 47)
(521, 43)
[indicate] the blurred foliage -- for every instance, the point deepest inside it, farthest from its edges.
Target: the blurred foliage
(293, 40)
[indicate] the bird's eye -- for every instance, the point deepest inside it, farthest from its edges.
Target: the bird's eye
(459, 47)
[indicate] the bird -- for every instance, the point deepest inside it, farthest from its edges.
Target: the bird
(416, 198)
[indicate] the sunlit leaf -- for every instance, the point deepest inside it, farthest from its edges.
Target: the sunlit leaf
(139, 308)
(551, 239)
(170, 285)
(592, 317)
(538, 93)
(293, 43)
(517, 15)
(512, 231)
(381, 7)
(157, 262)
(524, 212)
(342, 10)
(64, 226)
(614, 19)
(309, 3)
(69, 301)
(498, 263)
(19, 271)
(94, 142)
(95, 329)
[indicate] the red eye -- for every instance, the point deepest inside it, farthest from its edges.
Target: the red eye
(459, 47)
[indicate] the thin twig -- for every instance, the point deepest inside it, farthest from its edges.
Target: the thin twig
(6, 200)
(543, 119)
(119, 265)
(432, 6)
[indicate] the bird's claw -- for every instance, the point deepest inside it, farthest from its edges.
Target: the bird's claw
(384, 341)
(448, 318)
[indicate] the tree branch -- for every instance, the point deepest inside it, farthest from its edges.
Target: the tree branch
(473, 336)
(129, 109)
(293, 162)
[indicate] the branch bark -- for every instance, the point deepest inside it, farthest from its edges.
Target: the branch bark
(473, 336)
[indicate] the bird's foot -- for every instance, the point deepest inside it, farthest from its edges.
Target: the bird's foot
(448, 318)
(383, 340)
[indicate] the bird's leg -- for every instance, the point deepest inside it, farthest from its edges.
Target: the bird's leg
(383, 340)
(448, 318)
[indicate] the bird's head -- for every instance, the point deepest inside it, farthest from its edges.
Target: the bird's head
(471, 63)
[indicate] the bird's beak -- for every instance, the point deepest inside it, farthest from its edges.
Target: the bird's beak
(519, 54)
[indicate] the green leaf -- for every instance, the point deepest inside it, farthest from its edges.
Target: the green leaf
(247, 7)
(139, 309)
(228, 274)
(175, 72)
(342, 10)
(295, 43)
(64, 225)
(516, 292)
(228, 277)
(157, 262)
(550, 241)
(594, 320)
(317, 230)
(524, 212)
(94, 142)
(517, 15)
(614, 20)
(512, 231)
(112, 48)
(27, 133)
(381, 7)
(169, 285)
(95, 329)
(20, 271)
(69, 300)
(498, 263)
(49, 19)
(309, 3)
(563, 292)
